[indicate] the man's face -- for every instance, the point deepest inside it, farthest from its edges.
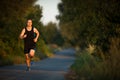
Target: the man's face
(29, 23)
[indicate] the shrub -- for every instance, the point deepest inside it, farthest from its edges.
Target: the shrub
(88, 67)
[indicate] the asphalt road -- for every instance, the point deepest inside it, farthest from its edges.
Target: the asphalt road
(48, 69)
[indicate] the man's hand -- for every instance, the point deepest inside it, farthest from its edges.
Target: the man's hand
(35, 40)
(24, 36)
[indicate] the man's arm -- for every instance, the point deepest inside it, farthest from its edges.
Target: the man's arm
(22, 34)
(37, 34)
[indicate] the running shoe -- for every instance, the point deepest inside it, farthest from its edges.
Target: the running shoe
(28, 69)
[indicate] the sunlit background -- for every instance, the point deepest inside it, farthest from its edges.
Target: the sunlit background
(49, 10)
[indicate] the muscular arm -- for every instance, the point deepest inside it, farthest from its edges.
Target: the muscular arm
(37, 34)
(22, 34)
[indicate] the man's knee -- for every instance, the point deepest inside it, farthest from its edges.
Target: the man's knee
(32, 52)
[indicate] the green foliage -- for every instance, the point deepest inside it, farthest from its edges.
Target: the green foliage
(6, 60)
(42, 50)
(13, 10)
(84, 65)
(52, 34)
(50, 31)
(90, 67)
(14, 14)
(90, 22)
(35, 13)
(94, 22)
(58, 39)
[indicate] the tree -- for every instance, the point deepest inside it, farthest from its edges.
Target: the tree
(50, 31)
(90, 21)
(12, 10)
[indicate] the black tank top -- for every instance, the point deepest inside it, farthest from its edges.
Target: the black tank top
(28, 41)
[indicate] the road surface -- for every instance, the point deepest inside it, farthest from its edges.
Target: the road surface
(48, 69)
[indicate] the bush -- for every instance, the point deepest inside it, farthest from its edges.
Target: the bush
(42, 50)
(83, 65)
(88, 67)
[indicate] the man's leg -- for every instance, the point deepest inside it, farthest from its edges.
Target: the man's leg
(27, 61)
(32, 52)
(31, 55)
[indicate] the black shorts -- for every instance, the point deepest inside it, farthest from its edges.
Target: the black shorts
(27, 50)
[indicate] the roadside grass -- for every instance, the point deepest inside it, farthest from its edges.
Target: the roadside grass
(89, 67)
(14, 53)
(43, 50)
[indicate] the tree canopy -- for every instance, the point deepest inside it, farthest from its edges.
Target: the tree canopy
(90, 21)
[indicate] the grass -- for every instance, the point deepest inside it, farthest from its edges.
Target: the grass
(14, 53)
(88, 67)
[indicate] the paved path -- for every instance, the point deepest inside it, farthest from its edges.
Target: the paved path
(48, 69)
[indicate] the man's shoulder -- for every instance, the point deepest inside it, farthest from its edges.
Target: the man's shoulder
(23, 28)
(34, 28)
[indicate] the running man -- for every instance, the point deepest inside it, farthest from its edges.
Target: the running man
(30, 35)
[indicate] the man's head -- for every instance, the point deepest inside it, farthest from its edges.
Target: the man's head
(29, 22)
